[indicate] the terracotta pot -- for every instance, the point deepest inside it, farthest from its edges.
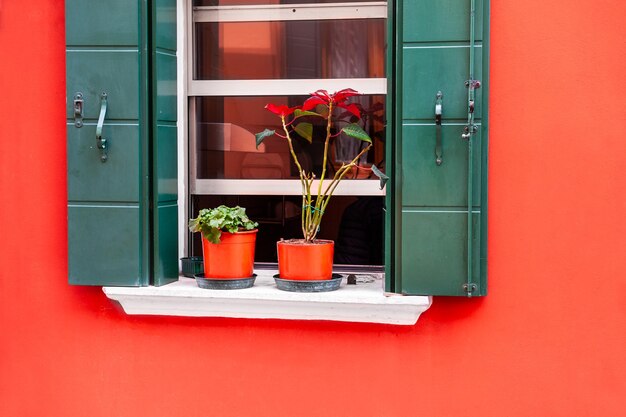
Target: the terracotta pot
(233, 257)
(298, 260)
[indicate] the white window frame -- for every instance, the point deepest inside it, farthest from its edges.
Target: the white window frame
(187, 87)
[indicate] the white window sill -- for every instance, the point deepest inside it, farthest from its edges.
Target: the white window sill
(364, 302)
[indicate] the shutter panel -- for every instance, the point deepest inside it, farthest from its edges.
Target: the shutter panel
(110, 219)
(107, 201)
(432, 251)
(164, 151)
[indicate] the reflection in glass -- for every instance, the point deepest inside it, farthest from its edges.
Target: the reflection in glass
(225, 143)
(290, 49)
(354, 223)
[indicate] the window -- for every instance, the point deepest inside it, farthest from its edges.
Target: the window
(123, 213)
(243, 56)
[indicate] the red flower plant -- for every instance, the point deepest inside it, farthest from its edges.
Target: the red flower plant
(320, 104)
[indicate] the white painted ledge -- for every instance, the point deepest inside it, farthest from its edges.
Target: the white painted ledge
(364, 302)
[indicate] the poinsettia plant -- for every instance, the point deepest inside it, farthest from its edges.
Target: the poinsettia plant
(341, 117)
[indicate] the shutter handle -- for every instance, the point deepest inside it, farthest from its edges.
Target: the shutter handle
(101, 142)
(438, 115)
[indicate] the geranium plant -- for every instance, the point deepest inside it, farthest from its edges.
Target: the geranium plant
(342, 118)
(212, 222)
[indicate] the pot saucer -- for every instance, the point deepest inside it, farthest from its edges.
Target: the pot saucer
(224, 283)
(294, 285)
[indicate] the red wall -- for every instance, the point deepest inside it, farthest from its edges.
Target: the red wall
(549, 340)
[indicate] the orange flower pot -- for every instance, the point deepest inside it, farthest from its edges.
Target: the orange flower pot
(299, 260)
(233, 257)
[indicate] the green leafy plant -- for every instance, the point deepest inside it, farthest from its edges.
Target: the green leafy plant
(212, 222)
(341, 118)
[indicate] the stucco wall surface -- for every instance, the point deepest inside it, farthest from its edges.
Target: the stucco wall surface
(549, 340)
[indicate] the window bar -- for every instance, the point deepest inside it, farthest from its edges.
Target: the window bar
(275, 12)
(284, 87)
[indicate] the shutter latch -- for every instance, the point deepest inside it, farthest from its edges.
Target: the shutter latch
(438, 115)
(470, 128)
(78, 109)
(468, 131)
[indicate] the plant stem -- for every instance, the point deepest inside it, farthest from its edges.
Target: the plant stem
(328, 193)
(326, 142)
(306, 209)
(303, 181)
(312, 214)
(324, 199)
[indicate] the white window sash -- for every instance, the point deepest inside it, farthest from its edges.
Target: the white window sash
(282, 187)
(284, 87)
(284, 12)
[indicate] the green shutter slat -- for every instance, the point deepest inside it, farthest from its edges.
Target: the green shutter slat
(436, 215)
(164, 143)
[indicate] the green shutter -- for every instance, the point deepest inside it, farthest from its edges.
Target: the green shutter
(111, 222)
(434, 246)
(164, 145)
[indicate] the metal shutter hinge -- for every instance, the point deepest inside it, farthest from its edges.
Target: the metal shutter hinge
(470, 289)
(473, 84)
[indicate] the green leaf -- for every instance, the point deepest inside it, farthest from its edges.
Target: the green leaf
(211, 222)
(305, 130)
(262, 135)
(194, 225)
(322, 110)
(357, 132)
(383, 178)
(213, 235)
(300, 113)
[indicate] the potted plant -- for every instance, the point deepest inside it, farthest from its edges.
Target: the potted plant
(228, 241)
(310, 258)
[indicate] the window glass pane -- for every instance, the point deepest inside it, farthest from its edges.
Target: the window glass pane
(354, 223)
(225, 143)
(290, 49)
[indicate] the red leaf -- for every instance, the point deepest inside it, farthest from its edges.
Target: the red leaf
(352, 108)
(343, 95)
(323, 94)
(281, 109)
(313, 101)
